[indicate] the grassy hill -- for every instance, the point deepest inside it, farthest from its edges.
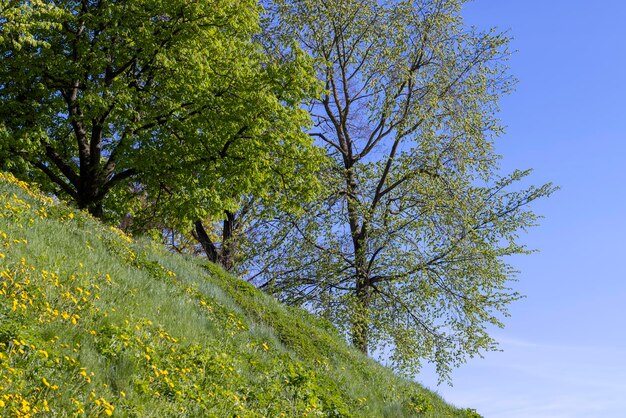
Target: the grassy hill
(94, 323)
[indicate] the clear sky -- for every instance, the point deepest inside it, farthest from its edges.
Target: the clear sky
(565, 344)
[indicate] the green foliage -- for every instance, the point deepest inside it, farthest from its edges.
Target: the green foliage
(471, 413)
(97, 324)
(406, 250)
(173, 106)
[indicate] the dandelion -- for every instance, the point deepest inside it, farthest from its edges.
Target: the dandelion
(25, 405)
(83, 373)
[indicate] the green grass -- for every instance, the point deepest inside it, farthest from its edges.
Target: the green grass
(93, 323)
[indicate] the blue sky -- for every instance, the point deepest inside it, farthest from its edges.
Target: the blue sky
(565, 344)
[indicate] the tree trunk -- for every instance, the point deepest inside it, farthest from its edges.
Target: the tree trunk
(359, 231)
(88, 196)
(97, 210)
(224, 254)
(228, 230)
(360, 315)
(205, 241)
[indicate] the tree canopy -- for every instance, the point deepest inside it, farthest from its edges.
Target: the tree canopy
(407, 250)
(175, 102)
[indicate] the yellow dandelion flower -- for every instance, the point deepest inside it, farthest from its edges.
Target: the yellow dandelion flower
(25, 406)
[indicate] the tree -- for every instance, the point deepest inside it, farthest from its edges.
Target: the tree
(286, 184)
(171, 103)
(407, 250)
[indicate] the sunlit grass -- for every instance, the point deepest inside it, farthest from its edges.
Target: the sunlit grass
(94, 323)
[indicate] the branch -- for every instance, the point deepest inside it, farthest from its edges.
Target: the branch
(67, 171)
(56, 179)
(117, 178)
(204, 240)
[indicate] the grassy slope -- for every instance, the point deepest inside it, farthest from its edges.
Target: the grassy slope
(93, 323)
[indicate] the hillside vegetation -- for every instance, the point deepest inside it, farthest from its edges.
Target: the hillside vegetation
(94, 323)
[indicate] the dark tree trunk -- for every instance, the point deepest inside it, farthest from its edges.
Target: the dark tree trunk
(96, 210)
(88, 193)
(205, 241)
(360, 318)
(363, 293)
(360, 321)
(224, 254)
(227, 250)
